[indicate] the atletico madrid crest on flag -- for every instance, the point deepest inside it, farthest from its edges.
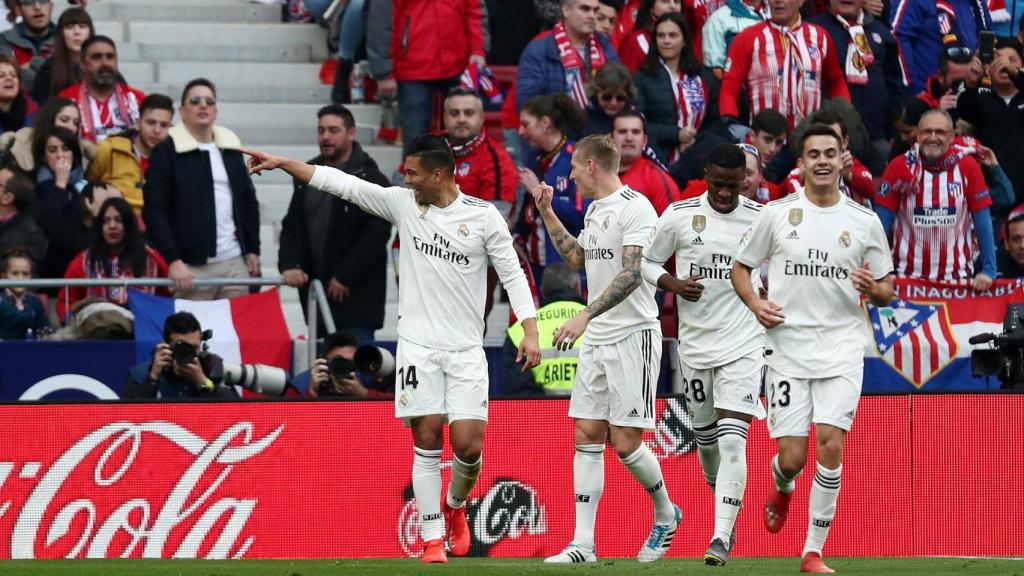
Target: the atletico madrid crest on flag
(914, 338)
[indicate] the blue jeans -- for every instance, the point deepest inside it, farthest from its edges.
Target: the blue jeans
(350, 34)
(416, 104)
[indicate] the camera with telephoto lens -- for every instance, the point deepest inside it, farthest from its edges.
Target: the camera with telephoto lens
(258, 378)
(369, 359)
(1004, 358)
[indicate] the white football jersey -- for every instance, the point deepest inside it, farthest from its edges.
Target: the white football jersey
(444, 257)
(625, 218)
(718, 328)
(811, 253)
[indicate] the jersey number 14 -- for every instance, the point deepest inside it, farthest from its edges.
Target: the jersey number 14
(407, 377)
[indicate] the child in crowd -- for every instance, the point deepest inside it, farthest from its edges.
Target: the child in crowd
(22, 314)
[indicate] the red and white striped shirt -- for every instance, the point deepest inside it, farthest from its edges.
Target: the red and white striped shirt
(782, 71)
(933, 205)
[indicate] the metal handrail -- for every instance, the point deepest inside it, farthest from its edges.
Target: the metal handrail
(316, 301)
(160, 282)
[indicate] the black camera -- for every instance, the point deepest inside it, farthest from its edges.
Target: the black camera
(1004, 359)
(268, 380)
(369, 359)
(183, 353)
(341, 367)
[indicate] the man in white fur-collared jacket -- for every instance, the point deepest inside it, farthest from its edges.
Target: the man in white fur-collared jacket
(200, 207)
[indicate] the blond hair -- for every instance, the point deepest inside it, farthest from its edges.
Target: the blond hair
(602, 150)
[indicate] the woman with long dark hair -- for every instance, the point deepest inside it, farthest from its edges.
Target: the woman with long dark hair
(638, 43)
(62, 69)
(60, 203)
(116, 250)
(677, 95)
(546, 123)
(57, 112)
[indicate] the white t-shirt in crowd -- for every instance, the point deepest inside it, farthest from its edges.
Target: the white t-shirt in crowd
(227, 237)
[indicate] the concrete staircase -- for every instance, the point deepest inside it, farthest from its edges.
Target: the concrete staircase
(266, 73)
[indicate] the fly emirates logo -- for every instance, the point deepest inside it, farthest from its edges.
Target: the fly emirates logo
(818, 265)
(441, 248)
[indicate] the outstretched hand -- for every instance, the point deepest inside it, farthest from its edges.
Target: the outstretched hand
(260, 161)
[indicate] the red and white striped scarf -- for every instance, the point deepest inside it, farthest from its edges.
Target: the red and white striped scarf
(98, 117)
(576, 76)
(859, 56)
(796, 62)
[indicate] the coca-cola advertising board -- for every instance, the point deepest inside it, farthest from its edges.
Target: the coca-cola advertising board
(331, 480)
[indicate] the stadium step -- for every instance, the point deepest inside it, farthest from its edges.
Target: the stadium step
(148, 52)
(268, 88)
(186, 11)
(228, 73)
(226, 33)
(318, 94)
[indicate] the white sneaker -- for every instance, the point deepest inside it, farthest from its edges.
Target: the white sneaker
(573, 554)
(660, 539)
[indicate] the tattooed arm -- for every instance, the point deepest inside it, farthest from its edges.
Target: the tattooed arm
(621, 286)
(564, 242)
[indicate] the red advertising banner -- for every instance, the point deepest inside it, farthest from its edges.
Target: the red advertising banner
(331, 480)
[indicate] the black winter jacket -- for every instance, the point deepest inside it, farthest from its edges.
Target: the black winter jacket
(179, 210)
(354, 249)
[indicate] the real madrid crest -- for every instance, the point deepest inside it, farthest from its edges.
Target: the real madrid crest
(796, 216)
(699, 223)
(463, 230)
(844, 239)
(404, 400)
(607, 222)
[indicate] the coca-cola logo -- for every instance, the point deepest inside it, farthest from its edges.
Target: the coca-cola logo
(509, 509)
(136, 527)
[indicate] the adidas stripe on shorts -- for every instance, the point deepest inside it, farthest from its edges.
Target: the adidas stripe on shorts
(734, 386)
(617, 382)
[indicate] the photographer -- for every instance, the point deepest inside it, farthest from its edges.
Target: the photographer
(334, 373)
(176, 370)
(996, 110)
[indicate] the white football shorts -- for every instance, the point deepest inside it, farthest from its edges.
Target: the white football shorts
(735, 386)
(794, 403)
(617, 382)
(432, 381)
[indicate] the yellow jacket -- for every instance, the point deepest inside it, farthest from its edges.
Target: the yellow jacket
(116, 164)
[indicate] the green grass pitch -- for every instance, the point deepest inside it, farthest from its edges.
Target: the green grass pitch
(504, 567)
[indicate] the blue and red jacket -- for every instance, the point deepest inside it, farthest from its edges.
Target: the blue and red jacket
(567, 203)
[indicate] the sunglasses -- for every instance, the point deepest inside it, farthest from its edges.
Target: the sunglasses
(610, 97)
(195, 100)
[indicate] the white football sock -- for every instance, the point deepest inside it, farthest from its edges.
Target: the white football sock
(732, 475)
(707, 451)
(644, 466)
(784, 485)
(426, 485)
(588, 484)
(822, 507)
(463, 479)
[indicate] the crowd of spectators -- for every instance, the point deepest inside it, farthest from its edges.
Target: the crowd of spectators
(101, 181)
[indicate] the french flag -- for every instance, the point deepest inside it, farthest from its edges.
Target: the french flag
(246, 330)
